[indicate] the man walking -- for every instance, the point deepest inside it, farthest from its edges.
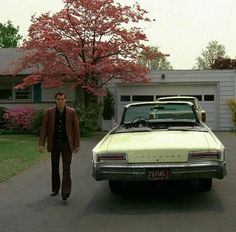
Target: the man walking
(60, 128)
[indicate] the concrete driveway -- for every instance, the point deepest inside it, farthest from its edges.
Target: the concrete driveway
(25, 204)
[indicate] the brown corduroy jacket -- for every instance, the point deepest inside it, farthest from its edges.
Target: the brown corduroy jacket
(48, 126)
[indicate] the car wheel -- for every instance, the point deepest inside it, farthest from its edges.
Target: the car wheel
(115, 186)
(205, 184)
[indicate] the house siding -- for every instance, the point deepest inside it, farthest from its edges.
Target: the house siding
(49, 94)
(226, 91)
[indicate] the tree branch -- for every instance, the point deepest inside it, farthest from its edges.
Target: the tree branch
(108, 55)
(103, 83)
(83, 56)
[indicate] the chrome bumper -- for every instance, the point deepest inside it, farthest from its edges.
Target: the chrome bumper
(178, 171)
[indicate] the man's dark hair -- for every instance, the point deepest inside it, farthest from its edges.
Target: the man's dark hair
(59, 94)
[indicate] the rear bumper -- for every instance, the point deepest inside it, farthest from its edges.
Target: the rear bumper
(178, 171)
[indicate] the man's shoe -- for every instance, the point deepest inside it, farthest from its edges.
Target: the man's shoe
(65, 196)
(54, 193)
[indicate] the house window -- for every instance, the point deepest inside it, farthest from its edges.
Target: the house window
(142, 98)
(199, 97)
(24, 94)
(9, 94)
(209, 97)
(125, 98)
(6, 92)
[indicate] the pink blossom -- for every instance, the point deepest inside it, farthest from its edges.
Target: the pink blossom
(19, 118)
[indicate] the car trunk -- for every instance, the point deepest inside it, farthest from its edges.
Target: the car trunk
(160, 146)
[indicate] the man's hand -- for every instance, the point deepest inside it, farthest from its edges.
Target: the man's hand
(76, 150)
(41, 149)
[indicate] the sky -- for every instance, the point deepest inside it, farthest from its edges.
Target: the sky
(182, 28)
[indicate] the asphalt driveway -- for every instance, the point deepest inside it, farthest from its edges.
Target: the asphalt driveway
(25, 204)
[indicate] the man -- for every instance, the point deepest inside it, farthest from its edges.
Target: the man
(60, 128)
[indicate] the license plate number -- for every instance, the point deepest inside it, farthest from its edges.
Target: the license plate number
(159, 174)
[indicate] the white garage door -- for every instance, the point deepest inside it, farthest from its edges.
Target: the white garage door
(206, 95)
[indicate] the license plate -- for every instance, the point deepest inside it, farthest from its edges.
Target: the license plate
(158, 174)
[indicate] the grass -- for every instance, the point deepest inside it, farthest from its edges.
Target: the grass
(18, 152)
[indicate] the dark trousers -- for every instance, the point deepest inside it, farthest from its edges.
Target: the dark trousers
(64, 151)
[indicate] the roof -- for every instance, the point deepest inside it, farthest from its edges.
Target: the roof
(7, 57)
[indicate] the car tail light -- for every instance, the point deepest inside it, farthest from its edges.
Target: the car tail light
(111, 157)
(204, 155)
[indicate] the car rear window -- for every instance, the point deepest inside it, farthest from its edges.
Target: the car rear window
(160, 111)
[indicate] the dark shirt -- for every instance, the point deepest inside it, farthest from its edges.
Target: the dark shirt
(60, 135)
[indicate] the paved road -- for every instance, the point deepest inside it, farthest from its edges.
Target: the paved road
(25, 204)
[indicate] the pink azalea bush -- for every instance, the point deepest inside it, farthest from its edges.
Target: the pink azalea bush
(19, 118)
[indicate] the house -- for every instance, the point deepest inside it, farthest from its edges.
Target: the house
(35, 96)
(211, 87)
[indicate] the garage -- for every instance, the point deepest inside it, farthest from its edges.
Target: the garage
(206, 94)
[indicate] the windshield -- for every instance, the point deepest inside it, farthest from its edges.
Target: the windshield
(151, 116)
(158, 112)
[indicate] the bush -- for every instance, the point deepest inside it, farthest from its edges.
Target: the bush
(232, 105)
(108, 107)
(19, 119)
(37, 122)
(2, 111)
(88, 118)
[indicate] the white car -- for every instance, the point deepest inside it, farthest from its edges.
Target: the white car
(159, 141)
(200, 112)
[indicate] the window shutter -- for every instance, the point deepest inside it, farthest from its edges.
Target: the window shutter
(37, 93)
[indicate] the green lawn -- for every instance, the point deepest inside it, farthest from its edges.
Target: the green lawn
(18, 152)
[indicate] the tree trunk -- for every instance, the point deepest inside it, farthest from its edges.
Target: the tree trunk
(87, 98)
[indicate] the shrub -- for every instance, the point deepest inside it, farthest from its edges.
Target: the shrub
(19, 119)
(108, 107)
(232, 105)
(88, 118)
(37, 122)
(2, 111)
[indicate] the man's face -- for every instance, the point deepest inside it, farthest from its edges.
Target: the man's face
(60, 101)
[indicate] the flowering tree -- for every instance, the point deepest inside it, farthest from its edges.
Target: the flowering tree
(87, 43)
(224, 63)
